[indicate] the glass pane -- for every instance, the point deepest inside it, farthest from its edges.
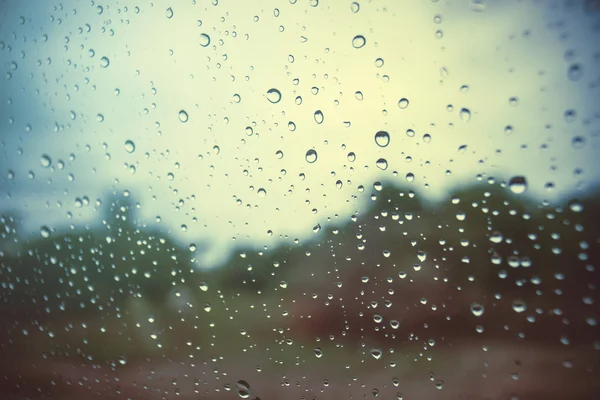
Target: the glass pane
(299, 199)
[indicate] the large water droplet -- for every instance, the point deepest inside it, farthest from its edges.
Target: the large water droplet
(517, 184)
(45, 160)
(273, 95)
(355, 7)
(319, 117)
(382, 164)
(382, 138)
(129, 146)
(477, 309)
(318, 352)
(403, 103)
(311, 156)
(243, 389)
(376, 353)
(183, 116)
(169, 13)
(358, 41)
(45, 231)
(204, 40)
(104, 62)
(575, 72)
(465, 114)
(519, 306)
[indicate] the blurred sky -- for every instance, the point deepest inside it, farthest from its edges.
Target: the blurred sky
(61, 99)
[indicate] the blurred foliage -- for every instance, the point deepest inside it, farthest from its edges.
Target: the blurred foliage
(119, 288)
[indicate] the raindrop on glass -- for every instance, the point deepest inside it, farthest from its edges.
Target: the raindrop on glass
(311, 156)
(517, 184)
(319, 117)
(382, 138)
(129, 146)
(273, 95)
(183, 116)
(358, 41)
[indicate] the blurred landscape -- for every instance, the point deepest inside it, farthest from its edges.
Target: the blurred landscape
(484, 295)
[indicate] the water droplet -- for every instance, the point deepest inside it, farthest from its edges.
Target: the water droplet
(575, 72)
(382, 138)
(100, 118)
(183, 116)
(129, 146)
(339, 184)
(382, 164)
(169, 13)
(376, 353)
(311, 156)
(318, 352)
(204, 40)
(351, 157)
(249, 131)
(355, 7)
(519, 306)
(319, 117)
(358, 41)
(575, 206)
(465, 114)
(273, 95)
(379, 62)
(243, 389)
(477, 309)
(216, 149)
(403, 103)
(262, 192)
(122, 360)
(359, 96)
(578, 142)
(291, 126)
(104, 62)
(45, 232)
(46, 161)
(410, 133)
(517, 184)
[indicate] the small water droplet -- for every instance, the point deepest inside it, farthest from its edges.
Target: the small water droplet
(355, 7)
(517, 184)
(382, 138)
(376, 353)
(122, 360)
(519, 306)
(129, 146)
(351, 157)
(359, 96)
(104, 62)
(311, 156)
(45, 232)
(273, 95)
(169, 13)
(575, 72)
(243, 389)
(358, 41)
(319, 117)
(46, 161)
(379, 62)
(477, 309)
(183, 116)
(318, 352)
(403, 103)
(465, 114)
(204, 40)
(382, 164)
